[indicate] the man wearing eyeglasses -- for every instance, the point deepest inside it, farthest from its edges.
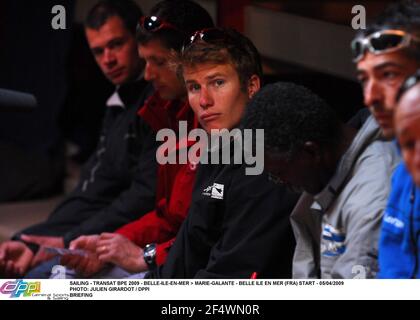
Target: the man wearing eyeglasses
(118, 182)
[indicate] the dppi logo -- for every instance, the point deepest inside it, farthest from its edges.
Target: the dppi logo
(18, 287)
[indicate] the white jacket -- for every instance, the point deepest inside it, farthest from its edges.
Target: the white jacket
(337, 230)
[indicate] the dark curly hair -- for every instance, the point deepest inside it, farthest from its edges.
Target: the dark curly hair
(291, 115)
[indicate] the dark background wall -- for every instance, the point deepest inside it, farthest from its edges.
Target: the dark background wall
(57, 67)
(33, 58)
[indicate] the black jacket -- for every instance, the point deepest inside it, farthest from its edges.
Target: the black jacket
(236, 225)
(117, 184)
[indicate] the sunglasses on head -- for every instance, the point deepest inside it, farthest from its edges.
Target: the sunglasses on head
(153, 24)
(208, 35)
(381, 42)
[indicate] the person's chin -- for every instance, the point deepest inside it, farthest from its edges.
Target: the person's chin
(118, 81)
(388, 133)
(216, 127)
(165, 95)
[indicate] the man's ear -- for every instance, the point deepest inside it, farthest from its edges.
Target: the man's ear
(254, 84)
(313, 150)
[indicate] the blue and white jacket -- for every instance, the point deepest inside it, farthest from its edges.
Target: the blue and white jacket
(399, 246)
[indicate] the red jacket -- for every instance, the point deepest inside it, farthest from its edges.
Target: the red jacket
(174, 185)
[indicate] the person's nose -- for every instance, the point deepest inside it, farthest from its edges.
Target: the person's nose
(206, 99)
(149, 74)
(372, 93)
(109, 58)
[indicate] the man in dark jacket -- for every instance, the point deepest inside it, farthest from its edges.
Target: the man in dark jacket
(117, 184)
(238, 224)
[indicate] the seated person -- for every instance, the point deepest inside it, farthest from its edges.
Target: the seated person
(118, 182)
(399, 251)
(382, 67)
(159, 37)
(345, 175)
(385, 54)
(238, 224)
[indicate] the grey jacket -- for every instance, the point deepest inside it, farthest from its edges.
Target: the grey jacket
(337, 230)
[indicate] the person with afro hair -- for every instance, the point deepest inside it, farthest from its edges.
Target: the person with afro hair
(343, 173)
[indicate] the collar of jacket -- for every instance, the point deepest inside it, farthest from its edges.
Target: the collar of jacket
(115, 101)
(160, 113)
(126, 95)
(368, 133)
(129, 93)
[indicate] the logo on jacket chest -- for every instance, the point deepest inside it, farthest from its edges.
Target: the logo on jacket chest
(214, 191)
(332, 243)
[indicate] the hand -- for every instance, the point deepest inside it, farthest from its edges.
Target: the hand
(15, 259)
(44, 240)
(117, 249)
(47, 241)
(88, 265)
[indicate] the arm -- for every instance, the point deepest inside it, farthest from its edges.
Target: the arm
(90, 212)
(175, 183)
(162, 250)
(306, 227)
(362, 215)
(151, 228)
(138, 199)
(360, 260)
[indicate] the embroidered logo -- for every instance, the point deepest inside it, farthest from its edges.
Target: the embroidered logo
(394, 221)
(215, 191)
(332, 241)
